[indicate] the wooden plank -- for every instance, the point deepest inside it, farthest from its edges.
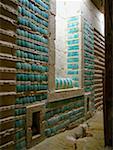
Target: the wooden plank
(100, 58)
(98, 104)
(99, 41)
(10, 145)
(100, 49)
(98, 71)
(98, 52)
(99, 44)
(98, 77)
(96, 99)
(97, 62)
(99, 67)
(97, 80)
(65, 94)
(98, 89)
(98, 94)
(99, 34)
(52, 36)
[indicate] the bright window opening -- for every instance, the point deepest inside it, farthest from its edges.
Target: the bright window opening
(67, 45)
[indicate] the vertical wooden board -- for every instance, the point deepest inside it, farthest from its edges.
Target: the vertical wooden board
(53, 7)
(108, 86)
(51, 73)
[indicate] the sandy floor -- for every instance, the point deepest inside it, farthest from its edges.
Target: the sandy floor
(60, 141)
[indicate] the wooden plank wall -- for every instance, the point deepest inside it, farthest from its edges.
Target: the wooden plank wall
(8, 19)
(99, 53)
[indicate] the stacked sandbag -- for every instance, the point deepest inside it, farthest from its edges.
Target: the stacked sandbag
(73, 49)
(32, 64)
(64, 83)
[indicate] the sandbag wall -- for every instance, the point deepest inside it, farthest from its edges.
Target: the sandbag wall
(64, 83)
(88, 46)
(73, 49)
(88, 57)
(32, 65)
(99, 53)
(8, 20)
(63, 115)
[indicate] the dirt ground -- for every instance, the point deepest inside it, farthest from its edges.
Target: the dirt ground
(94, 142)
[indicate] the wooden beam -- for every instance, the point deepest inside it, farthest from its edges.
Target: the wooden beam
(99, 4)
(52, 36)
(108, 84)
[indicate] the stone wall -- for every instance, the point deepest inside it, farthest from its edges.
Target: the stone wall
(64, 114)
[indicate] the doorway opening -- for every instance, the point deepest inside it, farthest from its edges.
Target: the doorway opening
(87, 104)
(35, 123)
